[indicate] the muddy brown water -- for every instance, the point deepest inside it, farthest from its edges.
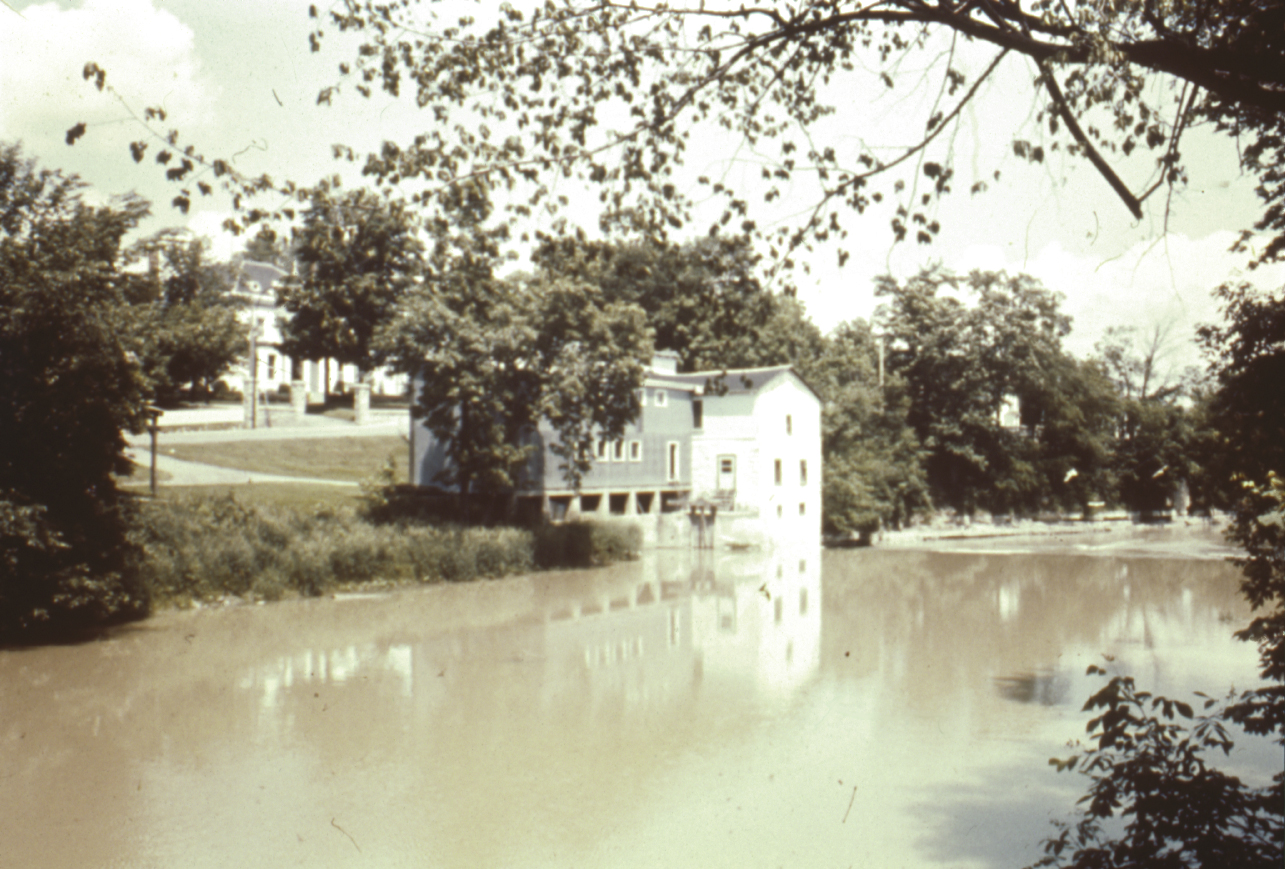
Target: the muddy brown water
(799, 708)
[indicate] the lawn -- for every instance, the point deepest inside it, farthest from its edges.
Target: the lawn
(298, 496)
(352, 459)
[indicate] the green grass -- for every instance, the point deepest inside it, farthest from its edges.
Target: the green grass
(352, 459)
(298, 496)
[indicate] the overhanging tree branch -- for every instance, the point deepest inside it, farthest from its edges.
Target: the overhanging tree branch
(1068, 117)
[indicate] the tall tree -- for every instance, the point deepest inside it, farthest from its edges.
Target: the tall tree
(189, 334)
(70, 384)
(961, 364)
(1156, 437)
(359, 255)
(497, 356)
(872, 468)
(1074, 412)
(703, 297)
(1247, 408)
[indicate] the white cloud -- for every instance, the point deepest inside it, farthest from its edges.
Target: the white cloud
(1165, 282)
(150, 59)
(148, 53)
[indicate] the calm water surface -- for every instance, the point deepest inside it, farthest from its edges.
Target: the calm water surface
(804, 708)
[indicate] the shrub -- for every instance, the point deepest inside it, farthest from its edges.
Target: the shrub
(197, 548)
(586, 544)
(47, 586)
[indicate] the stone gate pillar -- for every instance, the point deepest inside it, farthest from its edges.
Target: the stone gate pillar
(298, 397)
(361, 402)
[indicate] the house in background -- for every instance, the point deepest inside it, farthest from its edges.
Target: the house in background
(255, 294)
(735, 454)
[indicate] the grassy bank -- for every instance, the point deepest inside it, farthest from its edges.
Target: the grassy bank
(204, 547)
(352, 459)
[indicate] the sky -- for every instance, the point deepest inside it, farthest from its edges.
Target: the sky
(238, 80)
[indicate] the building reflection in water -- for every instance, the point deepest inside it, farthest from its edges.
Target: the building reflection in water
(639, 632)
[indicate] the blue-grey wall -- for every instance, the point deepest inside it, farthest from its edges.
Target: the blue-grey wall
(656, 427)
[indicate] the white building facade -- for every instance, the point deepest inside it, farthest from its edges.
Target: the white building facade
(267, 367)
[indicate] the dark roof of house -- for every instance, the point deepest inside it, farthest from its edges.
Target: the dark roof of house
(728, 382)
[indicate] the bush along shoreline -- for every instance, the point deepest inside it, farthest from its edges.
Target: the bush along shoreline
(196, 549)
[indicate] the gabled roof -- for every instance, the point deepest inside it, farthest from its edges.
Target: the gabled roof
(731, 381)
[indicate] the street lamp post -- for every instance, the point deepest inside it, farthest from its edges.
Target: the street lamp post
(153, 414)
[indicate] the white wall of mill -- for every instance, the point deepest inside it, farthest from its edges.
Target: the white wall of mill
(788, 396)
(728, 427)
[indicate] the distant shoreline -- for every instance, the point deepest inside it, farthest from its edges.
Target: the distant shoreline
(1197, 537)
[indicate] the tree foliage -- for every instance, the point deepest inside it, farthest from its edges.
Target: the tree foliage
(188, 333)
(1247, 407)
(620, 95)
(1150, 766)
(70, 384)
(497, 356)
(872, 468)
(963, 363)
(359, 255)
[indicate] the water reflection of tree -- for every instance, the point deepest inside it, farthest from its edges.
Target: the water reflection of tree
(953, 621)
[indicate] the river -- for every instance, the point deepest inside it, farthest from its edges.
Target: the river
(801, 708)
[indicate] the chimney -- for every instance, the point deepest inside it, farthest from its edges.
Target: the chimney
(665, 362)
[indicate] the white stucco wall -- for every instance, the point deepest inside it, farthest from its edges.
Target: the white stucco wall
(753, 428)
(787, 397)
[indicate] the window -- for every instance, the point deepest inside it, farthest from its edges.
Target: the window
(803, 508)
(635, 451)
(618, 451)
(698, 413)
(600, 449)
(780, 511)
(272, 365)
(789, 424)
(671, 451)
(803, 472)
(660, 398)
(777, 471)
